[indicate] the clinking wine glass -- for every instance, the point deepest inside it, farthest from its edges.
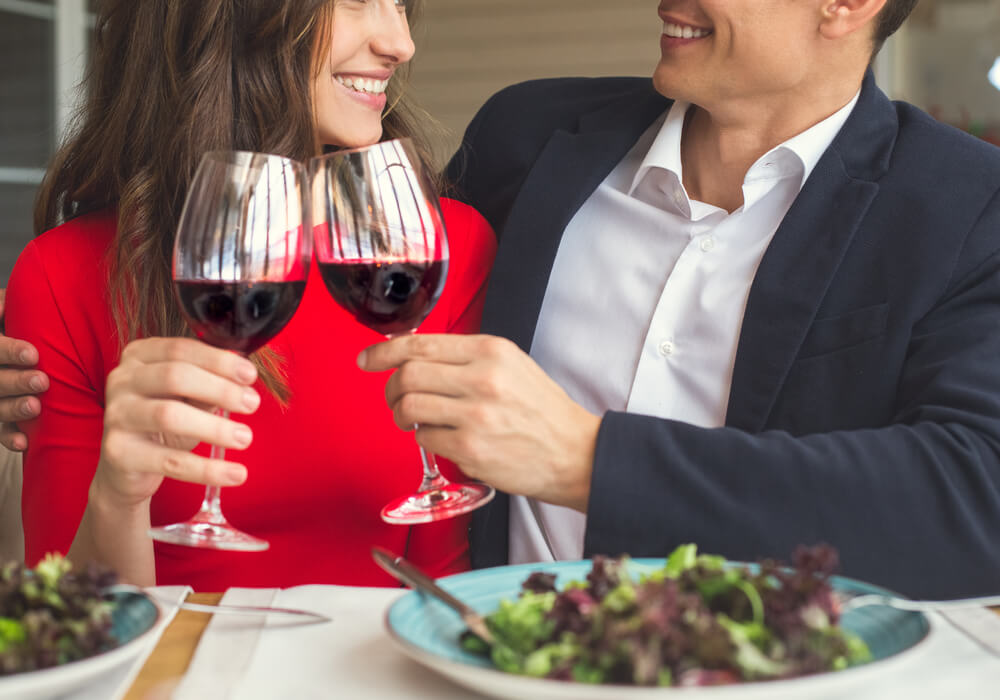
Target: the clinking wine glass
(382, 251)
(240, 262)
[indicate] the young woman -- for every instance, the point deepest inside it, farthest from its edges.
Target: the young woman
(110, 453)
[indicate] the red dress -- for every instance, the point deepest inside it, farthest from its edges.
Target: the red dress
(319, 470)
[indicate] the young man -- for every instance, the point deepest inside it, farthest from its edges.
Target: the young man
(761, 302)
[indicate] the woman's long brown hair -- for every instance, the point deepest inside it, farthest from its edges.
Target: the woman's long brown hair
(170, 80)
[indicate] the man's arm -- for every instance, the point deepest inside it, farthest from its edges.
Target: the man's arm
(19, 384)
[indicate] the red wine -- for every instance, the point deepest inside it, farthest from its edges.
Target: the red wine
(388, 297)
(239, 316)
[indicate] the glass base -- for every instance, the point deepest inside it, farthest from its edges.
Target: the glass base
(437, 504)
(208, 535)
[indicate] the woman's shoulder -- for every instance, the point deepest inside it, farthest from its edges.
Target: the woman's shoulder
(67, 256)
(82, 237)
(469, 233)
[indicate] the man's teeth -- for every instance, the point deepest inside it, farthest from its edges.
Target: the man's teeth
(372, 87)
(676, 31)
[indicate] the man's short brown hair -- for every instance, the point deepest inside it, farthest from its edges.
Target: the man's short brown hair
(890, 19)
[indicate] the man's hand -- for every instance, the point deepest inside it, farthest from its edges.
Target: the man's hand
(18, 385)
(484, 404)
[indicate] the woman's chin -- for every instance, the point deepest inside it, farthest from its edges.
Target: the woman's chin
(356, 139)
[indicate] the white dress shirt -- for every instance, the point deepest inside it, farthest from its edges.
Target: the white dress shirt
(645, 301)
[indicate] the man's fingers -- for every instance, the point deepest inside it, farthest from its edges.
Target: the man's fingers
(444, 348)
(19, 353)
(433, 409)
(12, 438)
(18, 408)
(221, 362)
(418, 376)
(151, 458)
(15, 382)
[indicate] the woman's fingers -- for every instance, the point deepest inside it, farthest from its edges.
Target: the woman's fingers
(149, 462)
(223, 363)
(191, 382)
(180, 421)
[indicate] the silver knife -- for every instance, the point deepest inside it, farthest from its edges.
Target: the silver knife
(406, 572)
(128, 589)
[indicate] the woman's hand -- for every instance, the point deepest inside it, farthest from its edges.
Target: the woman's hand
(159, 405)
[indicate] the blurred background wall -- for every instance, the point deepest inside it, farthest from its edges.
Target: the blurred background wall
(468, 49)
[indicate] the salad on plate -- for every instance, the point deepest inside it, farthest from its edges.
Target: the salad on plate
(695, 621)
(53, 614)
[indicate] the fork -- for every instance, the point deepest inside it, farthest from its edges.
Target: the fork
(850, 600)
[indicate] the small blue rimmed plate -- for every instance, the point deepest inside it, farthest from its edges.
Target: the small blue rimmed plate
(133, 617)
(428, 632)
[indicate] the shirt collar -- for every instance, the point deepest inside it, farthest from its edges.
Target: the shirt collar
(808, 146)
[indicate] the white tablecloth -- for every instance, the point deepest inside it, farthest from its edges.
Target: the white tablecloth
(115, 683)
(242, 658)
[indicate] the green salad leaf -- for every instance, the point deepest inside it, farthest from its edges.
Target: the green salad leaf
(694, 621)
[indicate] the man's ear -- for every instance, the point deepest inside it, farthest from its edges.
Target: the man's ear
(843, 17)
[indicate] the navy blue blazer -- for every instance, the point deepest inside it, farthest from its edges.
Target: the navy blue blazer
(865, 401)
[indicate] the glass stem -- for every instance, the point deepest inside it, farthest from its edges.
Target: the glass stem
(211, 505)
(432, 476)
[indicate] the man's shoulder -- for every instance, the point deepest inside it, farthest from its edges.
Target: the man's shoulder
(944, 148)
(568, 95)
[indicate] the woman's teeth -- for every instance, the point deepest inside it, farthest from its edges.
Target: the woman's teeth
(372, 87)
(676, 31)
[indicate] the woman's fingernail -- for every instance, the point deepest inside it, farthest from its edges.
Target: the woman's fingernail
(251, 400)
(236, 474)
(363, 359)
(246, 372)
(242, 435)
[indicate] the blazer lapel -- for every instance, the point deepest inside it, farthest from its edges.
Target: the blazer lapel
(568, 169)
(804, 255)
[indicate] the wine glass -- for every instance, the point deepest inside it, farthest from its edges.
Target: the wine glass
(241, 257)
(382, 251)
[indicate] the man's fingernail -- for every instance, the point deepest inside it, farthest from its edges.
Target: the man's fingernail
(36, 383)
(25, 408)
(363, 359)
(25, 357)
(236, 474)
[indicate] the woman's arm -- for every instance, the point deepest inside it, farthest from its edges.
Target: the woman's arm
(159, 407)
(98, 453)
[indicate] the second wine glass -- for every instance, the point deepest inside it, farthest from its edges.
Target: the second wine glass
(241, 258)
(382, 250)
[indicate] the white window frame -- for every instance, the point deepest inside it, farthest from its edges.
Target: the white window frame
(71, 25)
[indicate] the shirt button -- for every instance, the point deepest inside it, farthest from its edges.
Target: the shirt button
(665, 348)
(707, 244)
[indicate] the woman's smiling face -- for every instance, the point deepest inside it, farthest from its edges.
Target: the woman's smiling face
(367, 41)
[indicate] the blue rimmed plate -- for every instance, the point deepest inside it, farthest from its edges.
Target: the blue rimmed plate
(428, 632)
(133, 617)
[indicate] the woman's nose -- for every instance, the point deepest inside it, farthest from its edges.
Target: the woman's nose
(392, 36)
